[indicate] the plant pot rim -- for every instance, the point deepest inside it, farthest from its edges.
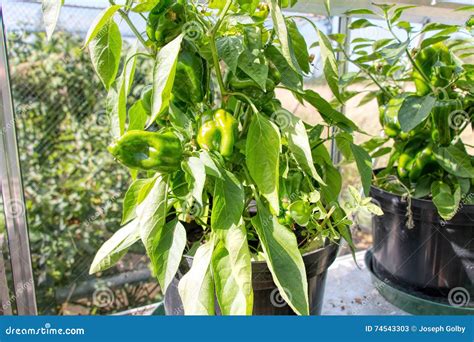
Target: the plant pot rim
(328, 245)
(420, 201)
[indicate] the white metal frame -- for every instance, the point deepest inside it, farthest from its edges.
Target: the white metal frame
(12, 191)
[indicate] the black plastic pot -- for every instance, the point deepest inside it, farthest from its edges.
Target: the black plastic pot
(267, 300)
(432, 258)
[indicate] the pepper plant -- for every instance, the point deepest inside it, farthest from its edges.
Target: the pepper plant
(209, 145)
(425, 96)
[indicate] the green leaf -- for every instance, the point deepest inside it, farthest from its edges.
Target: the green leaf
(134, 196)
(151, 214)
(255, 70)
(116, 108)
(103, 19)
(445, 200)
(232, 271)
(289, 77)
(116, 247)
(330, 67)
(228, 204)
(164, 73)
(436, 27)
(249, 6)
(465, 8)
(195, 167)
(145, 5)
(196, 288)
(263, 155)
(361, 23)
(105, 50)
(51, 10)
(168, 252)
(281, 30)
(414, 110)
(330, 115)
(283, 259)
(433, 40)
(359, 11)
(229, 49)
(119, 93)
(364, 165)
(138, 117)
(209, 164)
(299, 44)
(298, 143)
(455, 161)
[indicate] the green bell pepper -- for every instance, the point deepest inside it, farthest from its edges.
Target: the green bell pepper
(443, 131)
(437, 63)
(191, 76)
(165, 21)
(141, 150)
(217, 132)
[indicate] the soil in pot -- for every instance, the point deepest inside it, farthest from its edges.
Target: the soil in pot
(434, 258)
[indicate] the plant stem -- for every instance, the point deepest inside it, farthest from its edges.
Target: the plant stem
(215, 57)
(133, 28)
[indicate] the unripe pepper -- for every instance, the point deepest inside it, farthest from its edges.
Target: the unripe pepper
(436, 62)
(443, 130)
(217, 133)
(141, 150)
(165, 21)
(390, 121)
(422, 159)
(191, 76)
(407, 158)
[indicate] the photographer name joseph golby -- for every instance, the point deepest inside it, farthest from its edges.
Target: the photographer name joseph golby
(442, 329)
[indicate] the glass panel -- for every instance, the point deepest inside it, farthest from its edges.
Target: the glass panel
(73, 187)
(7, 299)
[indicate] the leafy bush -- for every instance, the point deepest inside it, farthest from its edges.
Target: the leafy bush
(70, 181)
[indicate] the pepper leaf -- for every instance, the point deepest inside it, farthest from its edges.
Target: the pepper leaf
(454, 160)
(115, 247)
(51, 11)
(105, 50)
(331, 70)
(446, 201)
(102, 20)
(414, 110)
(229, 49)
(281, 29)
(228, 204)
(263, 155)
(196, 288)
(168, 252)
(134, 196)
(151, 214)
(283, 259)
(232, 270)
(164, 73)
